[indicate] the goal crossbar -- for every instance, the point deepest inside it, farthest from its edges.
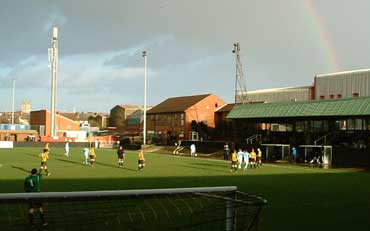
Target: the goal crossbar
(110, 194)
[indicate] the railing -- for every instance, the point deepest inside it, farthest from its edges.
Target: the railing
(320, 138)
(254, 137)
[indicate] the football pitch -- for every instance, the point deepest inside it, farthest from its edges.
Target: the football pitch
(299, 198)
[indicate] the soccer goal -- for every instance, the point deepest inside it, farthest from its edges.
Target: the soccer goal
(208, 208)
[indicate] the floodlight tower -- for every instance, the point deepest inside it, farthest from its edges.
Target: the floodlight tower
(240, 82)
(53, 62)
(145, 54)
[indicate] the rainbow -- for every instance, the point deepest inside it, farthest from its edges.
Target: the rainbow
(325, 39)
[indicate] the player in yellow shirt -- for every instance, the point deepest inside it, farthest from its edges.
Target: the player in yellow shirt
(141, 160)
(259, 157)
(252, 158)
(234, 161)
(46, 147)
(44, 156)
(92, 156)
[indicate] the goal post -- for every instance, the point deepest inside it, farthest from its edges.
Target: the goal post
(202, 208)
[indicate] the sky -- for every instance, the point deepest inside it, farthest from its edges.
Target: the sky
(189, 42)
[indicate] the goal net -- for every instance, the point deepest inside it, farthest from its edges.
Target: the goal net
(209, 208)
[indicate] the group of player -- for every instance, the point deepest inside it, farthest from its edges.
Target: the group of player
(121, 158)
(243, 159)
(89, 155)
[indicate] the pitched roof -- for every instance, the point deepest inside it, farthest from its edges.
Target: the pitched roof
(177, 104)
(311, 108)
(226, 108)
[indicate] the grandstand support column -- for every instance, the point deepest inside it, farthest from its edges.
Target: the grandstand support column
(53, 61)
(145, 72)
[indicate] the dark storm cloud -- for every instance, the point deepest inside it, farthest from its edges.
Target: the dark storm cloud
(189, 43)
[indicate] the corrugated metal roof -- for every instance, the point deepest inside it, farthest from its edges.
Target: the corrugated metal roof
(334, 107)
(280, 89)
(177, 104)
(344, 73)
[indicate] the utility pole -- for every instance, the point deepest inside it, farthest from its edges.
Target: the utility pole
(53, 62)
(240, 82)
(145, 72)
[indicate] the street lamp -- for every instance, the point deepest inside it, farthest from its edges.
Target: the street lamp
(145, 70)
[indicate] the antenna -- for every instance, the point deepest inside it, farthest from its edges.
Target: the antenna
(240, 81)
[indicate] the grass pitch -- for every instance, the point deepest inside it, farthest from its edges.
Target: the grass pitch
(298, 197)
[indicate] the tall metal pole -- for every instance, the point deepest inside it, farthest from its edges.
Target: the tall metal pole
(53, 60)
(145, 71)
(13, 80)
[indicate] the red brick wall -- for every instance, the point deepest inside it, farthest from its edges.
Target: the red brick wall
(203, 111)
(165, 122)
(43, 117)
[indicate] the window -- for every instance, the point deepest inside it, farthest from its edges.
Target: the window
(350, 124)
(182, 116)
(331, 96)
(152, 117)
(182, 123)
(358, 124)
(299, 126)
(342, 124)
(289, 127)
(322, 96)
(216, 105)
(339, 96)
(355, 94)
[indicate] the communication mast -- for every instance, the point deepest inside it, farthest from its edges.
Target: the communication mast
(53, 62)
(240, 82)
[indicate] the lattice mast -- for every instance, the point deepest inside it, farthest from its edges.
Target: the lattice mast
(240, 81)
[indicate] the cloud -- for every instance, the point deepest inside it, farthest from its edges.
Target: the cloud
(55, 18)
(127, 56)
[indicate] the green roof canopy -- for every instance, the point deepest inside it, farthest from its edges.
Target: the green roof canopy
(333, 107)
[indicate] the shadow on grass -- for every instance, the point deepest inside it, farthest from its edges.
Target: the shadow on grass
(200, 168)
(33, 155)
(21, 169)
(114, 166)
(69, 161)
(213, 164)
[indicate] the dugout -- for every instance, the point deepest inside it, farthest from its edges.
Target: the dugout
(275, 152)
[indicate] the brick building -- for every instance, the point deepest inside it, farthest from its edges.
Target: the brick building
(176, 118)
(126, 119)
(41, 121)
